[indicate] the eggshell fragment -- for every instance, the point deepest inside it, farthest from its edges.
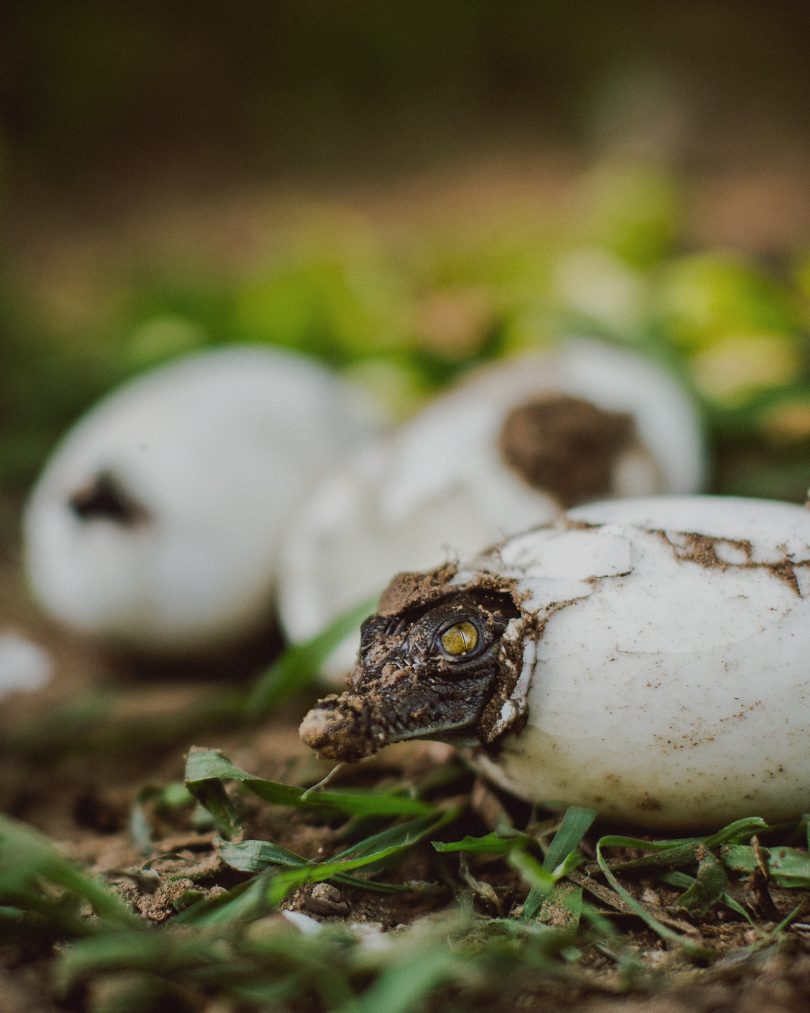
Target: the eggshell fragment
(445, 484)
(665, 660)
(156, 523)
(24, 666)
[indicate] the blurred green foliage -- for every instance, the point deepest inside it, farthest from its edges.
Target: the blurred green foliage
(407, 319)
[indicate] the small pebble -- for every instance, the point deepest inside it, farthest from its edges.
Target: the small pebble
(24, 665)
(306, 925)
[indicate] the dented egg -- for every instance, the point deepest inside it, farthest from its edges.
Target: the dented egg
(509, 448)
(647, 658)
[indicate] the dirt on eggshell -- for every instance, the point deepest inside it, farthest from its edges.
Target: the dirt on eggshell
(541, 438)
(409, 589)
(708, 552)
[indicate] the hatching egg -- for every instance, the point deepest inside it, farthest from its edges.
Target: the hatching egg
(648, 658)
(508, 448)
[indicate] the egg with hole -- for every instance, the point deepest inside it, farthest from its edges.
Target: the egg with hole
(647, 658)
(508, 448)
(157, 522)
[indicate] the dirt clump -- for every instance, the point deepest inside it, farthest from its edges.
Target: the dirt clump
(566, 446)
(409, 589)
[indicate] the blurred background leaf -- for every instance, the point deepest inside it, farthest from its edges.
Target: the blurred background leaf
(404, 193)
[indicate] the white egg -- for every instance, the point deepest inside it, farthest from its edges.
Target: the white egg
(647, 658)
(665, 648)
(503, 451)
(157, 521)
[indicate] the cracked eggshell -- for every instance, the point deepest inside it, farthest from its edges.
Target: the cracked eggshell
(440, 487)
(665, 660)
(156, 523)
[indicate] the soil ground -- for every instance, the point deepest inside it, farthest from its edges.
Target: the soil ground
(81, 791)
(82, 797)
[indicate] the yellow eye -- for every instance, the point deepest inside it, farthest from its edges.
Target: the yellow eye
(460, 638)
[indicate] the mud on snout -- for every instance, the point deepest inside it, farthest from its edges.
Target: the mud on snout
(427, 670)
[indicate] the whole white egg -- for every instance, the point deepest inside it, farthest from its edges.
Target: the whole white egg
(156, 523)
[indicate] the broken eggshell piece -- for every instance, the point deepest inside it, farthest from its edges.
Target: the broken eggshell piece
(647, 658)
(506, 449)
(157, 521)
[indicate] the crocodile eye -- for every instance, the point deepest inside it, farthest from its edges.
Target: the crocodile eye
(459, 639)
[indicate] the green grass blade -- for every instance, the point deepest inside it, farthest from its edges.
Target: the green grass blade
(258, 856)
(739, 830)
(405, 986)
(207, 769)
(383, 839)
(676, 853)
(241, 902)
(788, 867)
(131, 951)
(299, 665)
(708, 887)
(663, 931)
(575, 824)
(92, 724)
(263, 856)
(489, 844)
(26, 857)
(684, 881)
(539, 879)
(372, 851)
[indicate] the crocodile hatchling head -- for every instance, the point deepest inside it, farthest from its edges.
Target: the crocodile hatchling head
(429, 670)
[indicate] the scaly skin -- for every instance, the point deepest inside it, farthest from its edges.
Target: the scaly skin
(406, 685)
